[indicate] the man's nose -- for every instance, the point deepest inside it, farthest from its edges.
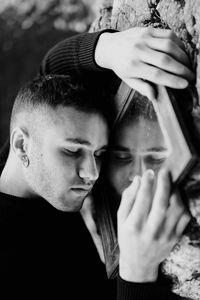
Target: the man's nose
(88, 169)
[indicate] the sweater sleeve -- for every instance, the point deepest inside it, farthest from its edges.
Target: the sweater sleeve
(74, 55)
(143, 291)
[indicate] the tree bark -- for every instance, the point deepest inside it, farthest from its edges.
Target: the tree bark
(183, 17)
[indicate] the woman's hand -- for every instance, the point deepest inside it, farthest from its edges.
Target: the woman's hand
(149, 225)
(140, 56)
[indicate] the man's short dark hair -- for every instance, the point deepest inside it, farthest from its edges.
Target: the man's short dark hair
(54, 90)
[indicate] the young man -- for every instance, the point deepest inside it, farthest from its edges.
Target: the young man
(58, 134)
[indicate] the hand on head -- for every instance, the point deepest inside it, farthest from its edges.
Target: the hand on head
(149, 225)
(140, 56)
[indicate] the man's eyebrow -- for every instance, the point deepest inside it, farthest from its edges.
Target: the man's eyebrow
(78, 141)
(104, 147)
(126, 149)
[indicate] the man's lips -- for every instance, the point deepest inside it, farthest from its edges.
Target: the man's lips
(82, 189)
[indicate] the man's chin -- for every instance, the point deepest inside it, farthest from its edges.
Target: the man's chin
(74, 205)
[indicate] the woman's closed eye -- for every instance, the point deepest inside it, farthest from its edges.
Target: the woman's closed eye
(121, 156)
(155, 159)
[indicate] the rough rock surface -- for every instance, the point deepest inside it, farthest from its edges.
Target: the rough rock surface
(183, 17)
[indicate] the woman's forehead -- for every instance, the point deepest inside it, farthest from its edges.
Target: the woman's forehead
(139, 135)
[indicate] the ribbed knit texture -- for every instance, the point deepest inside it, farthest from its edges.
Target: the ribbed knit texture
(143, 291)
(45, 251)
(73, 55)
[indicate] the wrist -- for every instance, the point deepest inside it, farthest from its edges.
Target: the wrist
(138, 274)
(103, 50)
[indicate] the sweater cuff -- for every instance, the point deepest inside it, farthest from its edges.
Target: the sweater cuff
(143, 291)
(87, 50)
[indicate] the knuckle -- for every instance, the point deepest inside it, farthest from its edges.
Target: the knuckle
(182, 69)
(156, 73)
(168, 46)
(151, 234)
(134, 65)
(139, 45)
(170, 34)
(147, 31)
(135, 228)
(165, 59)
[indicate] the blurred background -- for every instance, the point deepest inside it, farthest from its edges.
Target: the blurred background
(28, 29)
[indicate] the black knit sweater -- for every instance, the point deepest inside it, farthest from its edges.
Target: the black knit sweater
(45, 251)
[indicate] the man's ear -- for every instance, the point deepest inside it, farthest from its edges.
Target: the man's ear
(19, 141)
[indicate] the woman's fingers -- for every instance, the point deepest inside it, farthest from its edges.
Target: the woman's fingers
(175, 211)
(157, 76)
(160, 202)
(169, 47)
(182, 223)
(144, 55)
(166, 34)
(167, 63)
(143, 87)
(128, 199)
(140, 211)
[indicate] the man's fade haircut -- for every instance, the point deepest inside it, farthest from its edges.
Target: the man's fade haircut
(54, 90)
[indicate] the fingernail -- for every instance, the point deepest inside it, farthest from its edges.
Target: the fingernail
(136, 179)
(182, 83)
(150, 174)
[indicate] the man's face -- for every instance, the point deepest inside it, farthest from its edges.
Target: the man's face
(137, 146)
(65, 159)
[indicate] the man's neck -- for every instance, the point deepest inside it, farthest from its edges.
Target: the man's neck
(12, 181)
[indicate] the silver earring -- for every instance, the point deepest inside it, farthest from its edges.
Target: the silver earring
(25, 161)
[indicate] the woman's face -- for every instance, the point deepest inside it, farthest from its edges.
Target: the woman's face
(137, 145)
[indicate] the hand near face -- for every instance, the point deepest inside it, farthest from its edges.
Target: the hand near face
(150, 54)
(149, 225)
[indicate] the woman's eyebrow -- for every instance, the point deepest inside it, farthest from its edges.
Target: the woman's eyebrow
(157, 149)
